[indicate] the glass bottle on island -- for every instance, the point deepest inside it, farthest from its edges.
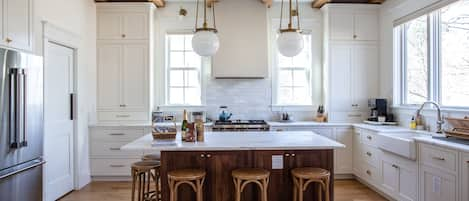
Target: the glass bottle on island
(184, 126)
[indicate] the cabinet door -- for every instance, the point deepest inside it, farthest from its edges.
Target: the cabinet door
(408, 182)
(341, 25)
(344, 157)
(436, 185)
(183, 160)
(340, 74)
(464, 177)
(135, 77)
(390, 176)
(18, 23)
(109, 25)
(364, 75)
(135, 26)
(220, 165)
(357, 150)
(280, 179)
(366, 26)
(109, 64)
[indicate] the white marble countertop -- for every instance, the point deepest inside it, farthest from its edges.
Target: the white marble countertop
(221, 141)
(450, 144)
(305, 123)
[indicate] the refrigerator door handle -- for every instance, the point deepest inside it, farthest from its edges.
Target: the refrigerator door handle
(23, 167)
(22, 105)
(13, 113)
(72, 105)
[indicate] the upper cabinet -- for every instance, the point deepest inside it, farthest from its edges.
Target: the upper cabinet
(352, 22)
(124, 62)
(16, 22)
(120, 23)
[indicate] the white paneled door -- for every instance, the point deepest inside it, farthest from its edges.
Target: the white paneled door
(58, 120)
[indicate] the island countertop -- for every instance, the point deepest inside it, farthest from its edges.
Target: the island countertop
(224, 141)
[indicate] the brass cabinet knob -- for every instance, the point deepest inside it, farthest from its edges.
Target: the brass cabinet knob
(8, 40)
(123, 35)
(287, 155)
(369, 137)
(202, 155)
(293, 155)
(355, 36)
(209, 155)
(368, 172)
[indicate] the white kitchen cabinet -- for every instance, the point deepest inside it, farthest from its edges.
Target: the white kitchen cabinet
(464, 186)
(344, 157)
(123, 21)
(352, 22)
(124, 62)
(353, 71)
(399, 177)
(437, 185)
(17, 24)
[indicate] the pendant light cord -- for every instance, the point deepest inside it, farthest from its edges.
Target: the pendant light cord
(281, 15)
(213, 13)
(205, 13)
(298, 15)
(291, 17)
(196, 15)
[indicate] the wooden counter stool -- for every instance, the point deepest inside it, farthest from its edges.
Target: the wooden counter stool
(151, 157)
(143, 172)
(242, 177)
(193, 177)
(302, 177)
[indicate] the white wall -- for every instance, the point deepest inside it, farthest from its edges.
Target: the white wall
(392, 10)
(78, 17)
(246, 98)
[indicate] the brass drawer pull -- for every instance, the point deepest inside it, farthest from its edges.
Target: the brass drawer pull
(122, 115)
(116, 166)
(438, 158)
(395, 166)
(123, 36)
(114, 149)
(116, 134)
(369, 137)
(368, 172)
(368, 153)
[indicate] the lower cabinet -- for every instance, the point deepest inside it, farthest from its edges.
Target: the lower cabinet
(399, 177)
(106, 157)
(464, 186)
(437, 185)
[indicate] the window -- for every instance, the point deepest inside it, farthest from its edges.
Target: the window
(294, 77)
(455, 54)
(183, 71)
(434, 57)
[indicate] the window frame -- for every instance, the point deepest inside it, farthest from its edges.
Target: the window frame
(311, 27)
(167, 72)
(434, 61)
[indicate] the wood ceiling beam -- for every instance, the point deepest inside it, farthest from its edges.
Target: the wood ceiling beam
(158, 3)
(211, 2)
(267, 2)
(320, 3)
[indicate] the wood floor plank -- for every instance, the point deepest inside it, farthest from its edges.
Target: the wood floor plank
(345, 190)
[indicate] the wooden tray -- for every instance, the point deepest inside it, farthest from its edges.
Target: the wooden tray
(459, 123)
(457, 134)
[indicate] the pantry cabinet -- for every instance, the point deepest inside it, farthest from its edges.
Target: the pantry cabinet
(464, 186)
(351, 60)
(16, 24)
(124, 62)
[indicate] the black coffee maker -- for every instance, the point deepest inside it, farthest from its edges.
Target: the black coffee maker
(378, 107)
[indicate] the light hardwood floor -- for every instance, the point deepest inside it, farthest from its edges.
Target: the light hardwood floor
(345, 190)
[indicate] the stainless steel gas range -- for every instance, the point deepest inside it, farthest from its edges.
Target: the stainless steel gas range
(240, 125)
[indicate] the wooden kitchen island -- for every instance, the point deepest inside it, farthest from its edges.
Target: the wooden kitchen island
(221, 153)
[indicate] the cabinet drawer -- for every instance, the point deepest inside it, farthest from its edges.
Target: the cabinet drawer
(370, 155)
(370, 174)
(117, 135)
(438, 157)
(123, 116)
(112, 167)
(368, 138)
(112, 149)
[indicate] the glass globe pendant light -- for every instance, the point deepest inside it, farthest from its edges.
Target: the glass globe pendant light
(290, 41)
(205, 41)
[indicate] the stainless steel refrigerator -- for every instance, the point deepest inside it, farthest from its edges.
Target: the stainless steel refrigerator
(21, 126)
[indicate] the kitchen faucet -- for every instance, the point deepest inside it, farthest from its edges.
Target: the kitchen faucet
(439, 122)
